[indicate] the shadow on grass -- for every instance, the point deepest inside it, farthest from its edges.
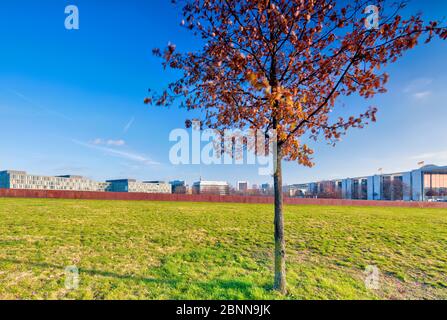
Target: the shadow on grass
(228, 289)
(93, 272)
(231, 289)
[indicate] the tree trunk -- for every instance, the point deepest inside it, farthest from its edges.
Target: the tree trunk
(280, 245)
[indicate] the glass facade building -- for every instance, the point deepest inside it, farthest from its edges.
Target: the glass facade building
(435, 185)
(428, 183)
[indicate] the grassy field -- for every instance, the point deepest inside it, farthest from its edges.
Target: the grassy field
(155, 250)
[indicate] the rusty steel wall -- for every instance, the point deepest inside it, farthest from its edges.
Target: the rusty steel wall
(56, 194)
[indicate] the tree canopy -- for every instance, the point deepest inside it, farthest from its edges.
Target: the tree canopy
(282, 64)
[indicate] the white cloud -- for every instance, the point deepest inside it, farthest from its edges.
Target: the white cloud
(110, 142)
(97, 141)
(422, 94)
(117, 143)
(419, 88)
(118, 153)
(128, 125)
(38, 106)
(335, 176)
(432, 156)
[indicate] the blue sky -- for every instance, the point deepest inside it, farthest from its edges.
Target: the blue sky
(71, 101)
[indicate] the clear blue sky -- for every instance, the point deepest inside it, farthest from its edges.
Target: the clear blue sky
(71, 101)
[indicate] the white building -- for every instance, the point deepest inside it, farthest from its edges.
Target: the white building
(132, 185)
(211, 187)
(22, 180)
(428, 183)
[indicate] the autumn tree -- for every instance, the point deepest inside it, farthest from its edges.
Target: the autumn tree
(282, 65)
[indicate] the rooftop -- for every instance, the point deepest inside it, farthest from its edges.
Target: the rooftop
(122, 180)
(209, 183)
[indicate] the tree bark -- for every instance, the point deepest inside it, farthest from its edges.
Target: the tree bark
(280, 245)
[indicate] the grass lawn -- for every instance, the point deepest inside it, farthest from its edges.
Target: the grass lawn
(164, 250)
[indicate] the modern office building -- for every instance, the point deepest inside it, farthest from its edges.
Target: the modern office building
(22, 180)
(428, 183)
(266, 189)
(132, 185)
(179, 187)
(242, 186)
(211, 187)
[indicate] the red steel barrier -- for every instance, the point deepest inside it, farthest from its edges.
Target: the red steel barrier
(56, 194)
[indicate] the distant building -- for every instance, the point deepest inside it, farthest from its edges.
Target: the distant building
(266, 186)
(179, 187)
(132, 185)
(296, 190)
(428, 183)
(266, 189)
(242, 186)
(21, 180)
(211, 187)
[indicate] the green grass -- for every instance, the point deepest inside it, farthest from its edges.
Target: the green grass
(163, 250)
